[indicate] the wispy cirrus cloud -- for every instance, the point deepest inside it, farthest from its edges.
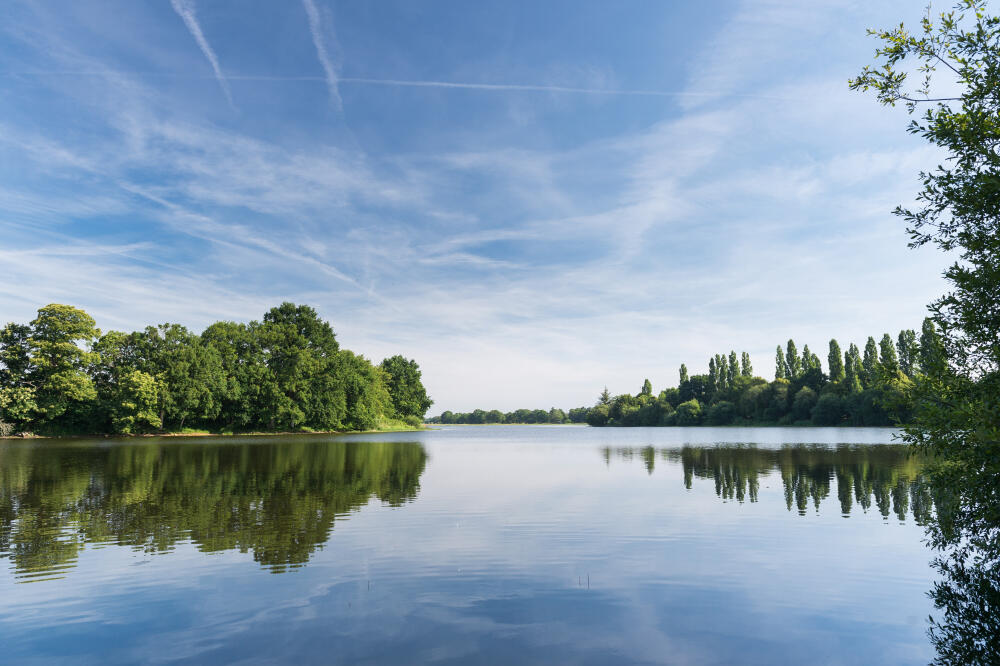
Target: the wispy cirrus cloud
(329, 71)
(186, 10)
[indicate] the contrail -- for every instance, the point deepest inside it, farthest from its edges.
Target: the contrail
(324, 58)
(453, 85)
(185, 9)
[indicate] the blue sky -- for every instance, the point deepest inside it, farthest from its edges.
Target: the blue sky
(532, 199)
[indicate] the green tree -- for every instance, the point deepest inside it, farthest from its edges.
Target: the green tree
(853, 369)
(780, 367)
(932, 353)
(958, 399)
(869, 364)
(835, 362)
(17, 394)
(746, 368)
(803, 403)
(887, 356)
(64, 392)
(909, 352)
(688, 413)
(733, 370)
(793, 364)
(829, 410)
(683, 374)
(647, 388)
(135, 403)
(605, 397)
(407, 392)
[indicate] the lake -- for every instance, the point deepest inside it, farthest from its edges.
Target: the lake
(467, 544)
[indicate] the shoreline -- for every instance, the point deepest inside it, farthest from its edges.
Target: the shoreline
(206, 433)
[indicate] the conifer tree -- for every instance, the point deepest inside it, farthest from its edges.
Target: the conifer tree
(870, 364)
(835, 362)
(746, 368)
(793, 363)
(779, 364)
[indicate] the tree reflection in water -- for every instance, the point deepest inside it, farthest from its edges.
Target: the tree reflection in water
(887, 476)
(276, 498)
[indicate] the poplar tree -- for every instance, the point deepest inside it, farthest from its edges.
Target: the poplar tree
(852, 367)
(713, 374)
(806, 358)
(793, 363)
(870, 364)
(779, 364)
(746, 368)
(887, 356)
(931, 348)
(684, 374)
(835, 362)
(722, 367)
(647, 388)
(734, 369)
(906, 346)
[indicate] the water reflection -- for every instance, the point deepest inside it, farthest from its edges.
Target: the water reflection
(277, 499)
(886, 476)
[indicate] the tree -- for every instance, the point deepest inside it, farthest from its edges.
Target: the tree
(909, 352)
(835, 363)
(957, 415)
(605, 397)
(713, 374)
(746, 368)
(887, 356)
(406, 391)
(793, 364)
(803, 403)
(869, 364)
(63, 389)
(647, 388)
(829, 410)
(688, 413)
(683, 374)
(853, 369)
(932, 352)
(733, 370)
(780, 367)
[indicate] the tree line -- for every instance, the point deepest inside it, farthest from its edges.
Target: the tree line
(870, 388)
(518, 416)
(60, 375)
(864, 388)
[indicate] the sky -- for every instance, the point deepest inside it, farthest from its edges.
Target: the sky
(534, 200)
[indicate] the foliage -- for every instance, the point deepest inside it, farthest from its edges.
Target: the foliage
(58, 374)
(406, 391)
(730, 395)
(956, 399)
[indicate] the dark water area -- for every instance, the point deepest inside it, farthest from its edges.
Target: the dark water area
(468, 544)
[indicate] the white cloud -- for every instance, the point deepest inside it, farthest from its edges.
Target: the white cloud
(185, 9)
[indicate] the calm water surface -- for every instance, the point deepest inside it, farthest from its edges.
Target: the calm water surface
(496, 544)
